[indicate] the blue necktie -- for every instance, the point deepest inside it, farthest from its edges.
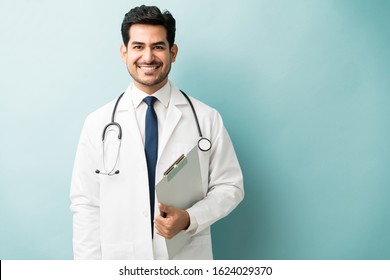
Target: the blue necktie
(151, 146)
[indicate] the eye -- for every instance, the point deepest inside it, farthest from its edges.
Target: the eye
(137, 47)
(159, 47)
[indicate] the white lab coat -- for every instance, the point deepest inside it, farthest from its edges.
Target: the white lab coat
(111, 213)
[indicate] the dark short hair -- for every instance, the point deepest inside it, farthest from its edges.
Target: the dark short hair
(149, 15)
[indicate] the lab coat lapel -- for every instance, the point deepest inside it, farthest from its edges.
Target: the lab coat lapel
(127, 119)
(174, 115)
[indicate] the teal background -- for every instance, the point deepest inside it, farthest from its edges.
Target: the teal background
(303, 87)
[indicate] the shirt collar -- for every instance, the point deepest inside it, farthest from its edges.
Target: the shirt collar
(163, 95)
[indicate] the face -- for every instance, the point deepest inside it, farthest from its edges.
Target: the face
(148, 56)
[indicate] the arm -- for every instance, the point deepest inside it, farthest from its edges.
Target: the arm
(85, 203)
(225, 190)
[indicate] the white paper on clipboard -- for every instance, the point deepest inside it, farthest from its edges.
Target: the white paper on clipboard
(181, 187)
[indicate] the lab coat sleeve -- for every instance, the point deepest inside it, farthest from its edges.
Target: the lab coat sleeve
(84, 197)
(225, 189)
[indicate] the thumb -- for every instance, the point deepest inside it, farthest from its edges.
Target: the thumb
(164, 208)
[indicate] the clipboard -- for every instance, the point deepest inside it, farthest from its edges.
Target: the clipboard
(181, 187)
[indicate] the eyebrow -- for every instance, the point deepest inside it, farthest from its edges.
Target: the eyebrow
(154, 44)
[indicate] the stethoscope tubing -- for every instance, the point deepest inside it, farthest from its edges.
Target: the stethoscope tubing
(204, 144)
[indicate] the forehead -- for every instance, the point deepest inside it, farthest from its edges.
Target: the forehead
(145, 33)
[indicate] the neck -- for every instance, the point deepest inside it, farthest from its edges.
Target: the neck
(150, 89)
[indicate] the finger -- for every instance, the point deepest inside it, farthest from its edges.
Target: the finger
(157, 220)
(165, 208)
(162, 207)
(163, 214)
(161, 224)
(161, 231)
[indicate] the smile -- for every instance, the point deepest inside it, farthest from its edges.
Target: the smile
(148, 68)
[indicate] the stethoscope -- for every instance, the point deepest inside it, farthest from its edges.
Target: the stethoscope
(204, 144)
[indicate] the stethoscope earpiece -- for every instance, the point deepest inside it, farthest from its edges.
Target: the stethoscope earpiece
(97, 171)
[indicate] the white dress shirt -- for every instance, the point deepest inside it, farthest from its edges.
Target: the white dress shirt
(163, 96)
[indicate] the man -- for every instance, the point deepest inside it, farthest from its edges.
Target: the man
(118, 216)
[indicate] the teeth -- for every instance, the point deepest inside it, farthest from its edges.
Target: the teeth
(148, 67)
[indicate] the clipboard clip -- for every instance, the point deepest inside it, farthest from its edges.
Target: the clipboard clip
(175, 167)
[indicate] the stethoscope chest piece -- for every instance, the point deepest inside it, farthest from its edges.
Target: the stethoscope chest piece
(204, 144)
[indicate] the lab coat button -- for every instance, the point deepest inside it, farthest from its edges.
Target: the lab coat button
(146, 213)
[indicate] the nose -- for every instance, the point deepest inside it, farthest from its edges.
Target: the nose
(148, 55)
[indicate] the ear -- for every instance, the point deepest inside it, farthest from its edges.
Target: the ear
(174, 50)
(123, 51)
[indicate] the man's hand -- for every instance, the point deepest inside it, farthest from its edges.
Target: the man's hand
(171, 221)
